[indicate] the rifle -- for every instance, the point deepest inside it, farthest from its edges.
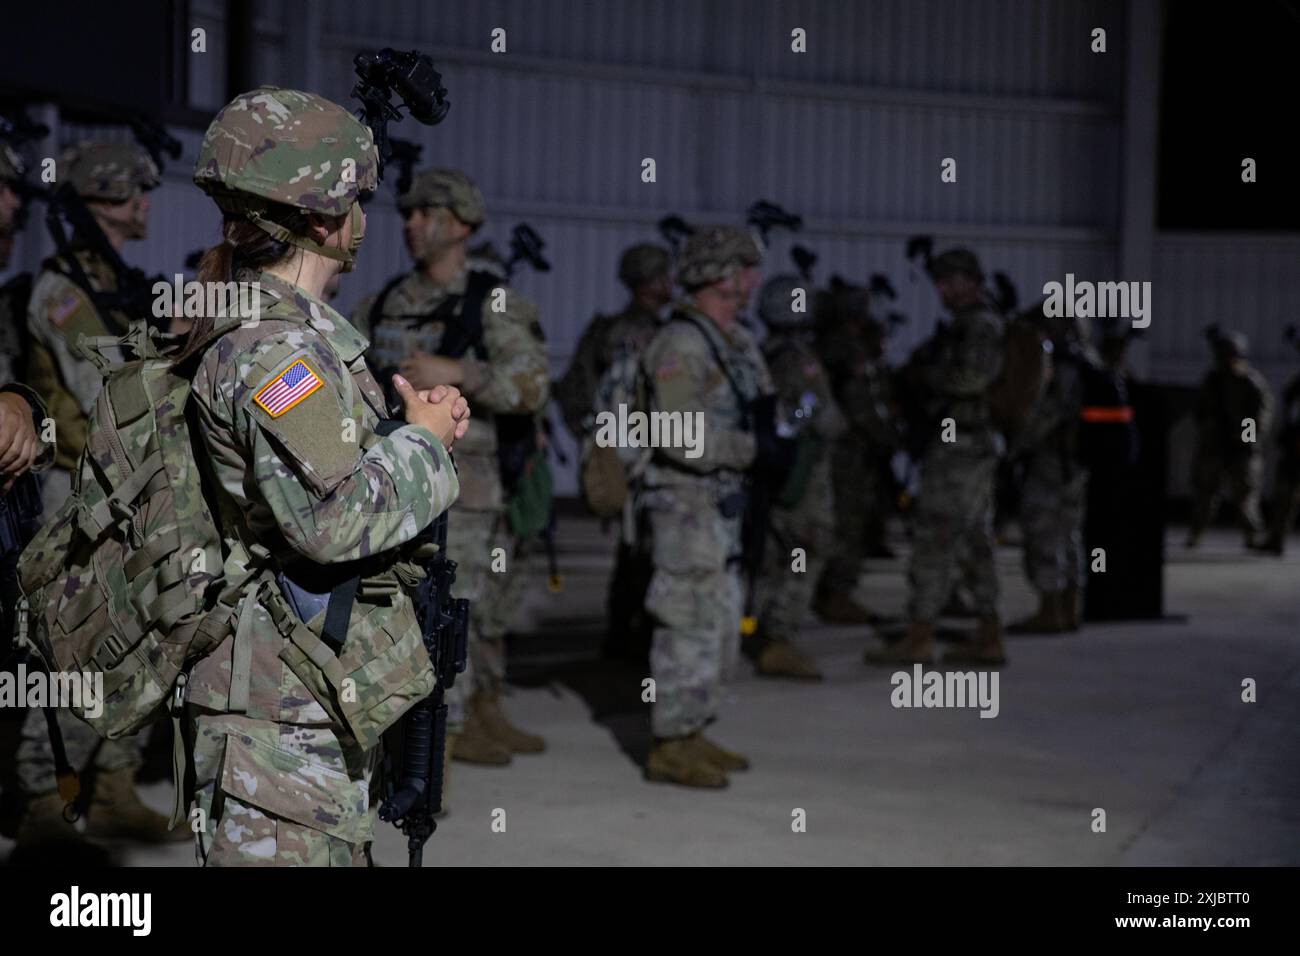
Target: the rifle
(416, 747)
(20, 512)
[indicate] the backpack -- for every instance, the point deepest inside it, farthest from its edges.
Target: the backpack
(126, 579)
(606, 472)
(1026, 361)
(1108, 435)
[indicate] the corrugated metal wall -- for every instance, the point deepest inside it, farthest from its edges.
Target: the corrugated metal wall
(850, 135)
(1246, 282)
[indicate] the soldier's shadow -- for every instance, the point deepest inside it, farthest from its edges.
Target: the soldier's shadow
(612, 691)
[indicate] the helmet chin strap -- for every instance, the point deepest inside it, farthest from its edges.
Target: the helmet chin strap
(253, 213)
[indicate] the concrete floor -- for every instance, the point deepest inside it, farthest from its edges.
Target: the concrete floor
(1143, 720)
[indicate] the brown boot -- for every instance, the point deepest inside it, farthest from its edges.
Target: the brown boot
(916, 647)
(986, 647)
(475, 745)
(498, 726)
(43, 823)
(780, 658)
(838, 607)
(116, 811)
(1050, 618)
(1072, 604)
(722, 758)
(678, 760)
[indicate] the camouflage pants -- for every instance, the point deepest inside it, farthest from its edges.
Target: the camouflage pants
(472, 536)
(1051, 517)
(809, 525)
(695, 601)
(1242, 477)
(276, 794)
(955, 506)
(1286, 497)
(35, 757)
(854, 502)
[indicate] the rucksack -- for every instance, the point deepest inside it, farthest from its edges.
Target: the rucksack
(1026, 361)
(126, 579)
(606, 472)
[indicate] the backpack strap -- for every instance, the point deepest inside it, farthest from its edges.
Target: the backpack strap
(464, 316)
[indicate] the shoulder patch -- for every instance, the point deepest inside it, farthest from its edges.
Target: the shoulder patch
(59, 311)
(669, 368)
(288, 388)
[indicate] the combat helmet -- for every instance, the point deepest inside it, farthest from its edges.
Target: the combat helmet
(712, 253)
(111, 172)
(274, 147)
(642, 262)
(449, 189)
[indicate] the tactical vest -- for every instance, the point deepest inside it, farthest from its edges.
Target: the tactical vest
(462, 319)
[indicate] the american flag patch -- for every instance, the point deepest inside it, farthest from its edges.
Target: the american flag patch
(287, 389)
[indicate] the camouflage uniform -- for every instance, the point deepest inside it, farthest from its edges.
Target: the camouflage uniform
(278, 781)
(850, 349)
(609, 335)
(1229, 394)
(1053, 497)
(956, 496)
(510, 376)
(955, 505)
(804, 395)
(605, 340)
(60, 311)
(695, 594)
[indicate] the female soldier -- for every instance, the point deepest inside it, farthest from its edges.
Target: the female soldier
(285, 717)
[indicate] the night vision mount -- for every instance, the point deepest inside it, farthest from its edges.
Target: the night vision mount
(412, 78)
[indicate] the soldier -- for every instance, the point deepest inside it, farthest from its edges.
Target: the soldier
(1286, 489)
(956, 498)
(113, 180)
(803, 516)
(1231, 392)
(852, 347)
(645, 270)
(278, 780)
(444, 324)
(701, 362)
(14, 294)
(1055, 485)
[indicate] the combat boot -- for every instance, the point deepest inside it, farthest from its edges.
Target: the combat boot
(475, 745)
(677, 760)
(916, 647)
(1052, 617)
(1072, 604)
(838, 607)
(43, 823)
(986, 647)
(116, 811)
(499, 727)
(722, 758)
(779, 658)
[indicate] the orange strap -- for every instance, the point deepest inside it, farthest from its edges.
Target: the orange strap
(1108, 415)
